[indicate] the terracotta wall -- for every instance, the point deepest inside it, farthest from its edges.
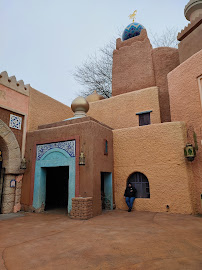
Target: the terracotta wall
(5, 117)
(91, 136)
(158, 152)
(190, 39)
(185, 104)
(165, 60)
(44, 110)
(120, 111)
(132, 65)
(136, 66)
(17, 103)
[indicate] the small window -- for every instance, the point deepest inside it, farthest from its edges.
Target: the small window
(141, 183)
(144, 119)
(200, 87)
(105, 147)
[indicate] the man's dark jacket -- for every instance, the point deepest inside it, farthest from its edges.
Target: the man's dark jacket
(130, 192)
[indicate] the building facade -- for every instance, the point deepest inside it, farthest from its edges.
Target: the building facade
(82, 159)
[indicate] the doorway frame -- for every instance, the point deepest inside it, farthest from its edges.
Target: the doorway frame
(108, 187)
(53, 158)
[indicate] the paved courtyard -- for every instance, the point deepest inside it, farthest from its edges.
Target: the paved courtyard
(114, 240)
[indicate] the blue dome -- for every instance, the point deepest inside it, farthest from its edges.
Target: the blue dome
(132, 30)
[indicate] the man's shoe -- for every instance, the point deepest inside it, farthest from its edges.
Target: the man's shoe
(129, 210)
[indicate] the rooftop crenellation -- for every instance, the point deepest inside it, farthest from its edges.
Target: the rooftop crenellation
(12, 83)
(190, 27)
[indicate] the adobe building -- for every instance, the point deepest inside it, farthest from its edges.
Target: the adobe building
(148, 133)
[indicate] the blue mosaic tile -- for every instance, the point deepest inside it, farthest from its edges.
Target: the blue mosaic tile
(132, 30)
(15, 121)
(67, 146)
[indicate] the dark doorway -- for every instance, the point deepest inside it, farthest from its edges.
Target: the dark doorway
(106, 191)
(57, 179)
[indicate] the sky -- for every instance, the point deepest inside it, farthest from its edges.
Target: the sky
(42, 41)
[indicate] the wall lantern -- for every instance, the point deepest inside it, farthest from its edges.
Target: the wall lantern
(82, 159)
(189, 152)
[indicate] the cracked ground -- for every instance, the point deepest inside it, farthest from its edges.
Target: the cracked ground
(114, 240)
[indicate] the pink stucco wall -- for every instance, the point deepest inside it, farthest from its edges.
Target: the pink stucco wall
(14, 100)
(185, 105)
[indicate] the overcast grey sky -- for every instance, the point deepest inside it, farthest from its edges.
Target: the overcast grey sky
(42, 41)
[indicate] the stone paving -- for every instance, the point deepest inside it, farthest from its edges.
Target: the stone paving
(114, 240)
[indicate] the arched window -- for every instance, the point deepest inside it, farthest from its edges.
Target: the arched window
(141, 183)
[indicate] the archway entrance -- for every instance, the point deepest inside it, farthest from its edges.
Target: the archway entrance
(10, 168)
(57, 179)
(48, 174)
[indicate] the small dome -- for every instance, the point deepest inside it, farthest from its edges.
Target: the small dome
(80, 106)
(94, 97)
(132, 30)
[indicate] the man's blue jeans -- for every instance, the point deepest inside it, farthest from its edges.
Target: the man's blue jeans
(130, 201)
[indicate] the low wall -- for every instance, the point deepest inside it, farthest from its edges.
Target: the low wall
(82, 208)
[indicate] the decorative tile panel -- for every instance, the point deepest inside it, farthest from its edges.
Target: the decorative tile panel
(15, 121)
(67, 146)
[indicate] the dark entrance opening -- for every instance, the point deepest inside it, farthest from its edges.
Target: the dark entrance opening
(106, 191)
(57, 179)
(141, 183)
(102, 191)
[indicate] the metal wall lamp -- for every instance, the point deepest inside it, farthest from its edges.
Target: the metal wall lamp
(82, 159)
(189, 152)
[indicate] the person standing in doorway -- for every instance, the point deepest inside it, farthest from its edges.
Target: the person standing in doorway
(130, 196)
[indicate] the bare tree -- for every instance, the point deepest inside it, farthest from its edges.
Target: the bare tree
(96, 72)
(168, 38)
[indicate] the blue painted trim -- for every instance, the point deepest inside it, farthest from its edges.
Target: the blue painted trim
(53, 158)
(143, 112)
(72, 118)
(108, 190)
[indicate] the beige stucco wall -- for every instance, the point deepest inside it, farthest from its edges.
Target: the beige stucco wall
(45, 110)
(120, 111)
(185, 105)
(158, 152)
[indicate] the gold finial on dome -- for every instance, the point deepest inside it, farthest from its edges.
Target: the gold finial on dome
(94, 97)
(80, 107)
(133, 15)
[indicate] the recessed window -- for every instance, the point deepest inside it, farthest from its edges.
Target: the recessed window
(144, 118)
(105, 147)
(141, 183)
(200, 87)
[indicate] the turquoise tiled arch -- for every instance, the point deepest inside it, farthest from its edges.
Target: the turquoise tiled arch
(53, 158)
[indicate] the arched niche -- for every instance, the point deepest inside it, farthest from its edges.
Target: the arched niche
(141, 183)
